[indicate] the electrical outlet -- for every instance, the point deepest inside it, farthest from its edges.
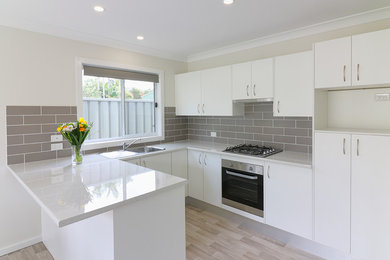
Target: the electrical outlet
(382, 97)
(57, 146)
(56, 138)
(213, 134)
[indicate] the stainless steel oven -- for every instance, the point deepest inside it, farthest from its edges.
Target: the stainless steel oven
(242, 186)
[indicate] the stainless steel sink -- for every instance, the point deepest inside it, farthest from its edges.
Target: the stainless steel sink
(132, 152)
(146, 149)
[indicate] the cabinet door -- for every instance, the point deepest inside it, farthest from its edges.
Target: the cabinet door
(294, 85)
(217, 91)
(212, 179)
(195, 174)
(134, 161)
(263, 78)
(333, 63)
(371, 58)
(370, 209)
(332, 189)
(159, 162)
(288, 199)
(188, 94)
(179, 165)
(242, 80)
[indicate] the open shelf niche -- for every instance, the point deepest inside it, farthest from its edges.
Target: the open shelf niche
(352, 111)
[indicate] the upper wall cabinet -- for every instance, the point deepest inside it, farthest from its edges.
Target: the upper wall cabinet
(188, 94)
(253, 80)
(293, 94)
(371, 58)
(360, 60)
(207, 92)
(333, 63)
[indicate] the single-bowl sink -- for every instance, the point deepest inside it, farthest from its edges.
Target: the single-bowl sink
(146, 149)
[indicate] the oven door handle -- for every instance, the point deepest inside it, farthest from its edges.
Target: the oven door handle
(241, 175)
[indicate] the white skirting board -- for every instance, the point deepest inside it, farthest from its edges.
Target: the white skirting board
(20, 245)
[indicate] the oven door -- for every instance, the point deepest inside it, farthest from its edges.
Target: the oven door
(243, 190)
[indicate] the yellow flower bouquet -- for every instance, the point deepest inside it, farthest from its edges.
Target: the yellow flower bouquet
(76, 133)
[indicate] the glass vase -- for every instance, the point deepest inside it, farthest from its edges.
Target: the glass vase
(77, 156)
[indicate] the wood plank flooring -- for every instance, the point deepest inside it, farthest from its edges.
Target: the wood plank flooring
(209, 237)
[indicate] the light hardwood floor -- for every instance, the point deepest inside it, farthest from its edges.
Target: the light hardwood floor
(209, 236)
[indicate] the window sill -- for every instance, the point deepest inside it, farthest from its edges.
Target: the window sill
(118, 142)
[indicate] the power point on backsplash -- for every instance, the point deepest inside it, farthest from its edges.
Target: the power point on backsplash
(213, 134)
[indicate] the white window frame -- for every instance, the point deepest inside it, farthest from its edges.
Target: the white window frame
(159, 98)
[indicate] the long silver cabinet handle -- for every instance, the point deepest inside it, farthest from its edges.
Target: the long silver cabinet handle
(204, 160)
(247, 90)
(357, 147)
(198, 108)
(344, 146)
(345, 67)
(268, 171)
(254, 89)
(203, 108)
(199, 160)
(278, 106)
(358, 72)
(241, 175)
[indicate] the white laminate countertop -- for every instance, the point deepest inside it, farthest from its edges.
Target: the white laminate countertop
(70, 194)
(285, 157)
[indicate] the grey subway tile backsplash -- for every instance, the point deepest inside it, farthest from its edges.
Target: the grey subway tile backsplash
(257, 126)
(29, 129)
(14, 120)
(23, 110)
(57, 110)
(40, 156)
(32, 120)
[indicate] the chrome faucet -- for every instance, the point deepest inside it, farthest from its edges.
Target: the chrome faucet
(127, 145)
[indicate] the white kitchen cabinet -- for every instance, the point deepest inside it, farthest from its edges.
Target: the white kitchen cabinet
(179, 165)
(204, 177)
(293, 94)
(253, 80)
(195, 174)
(242, 80)
(333, 63)
(217, 92)
(212, 190)
(371, 58)
(358, 60)
(288, 199)
(370, 211)
(134, 161)
(206, 93)
(263, 79)
(188, 94)
(332, 189)
(159, 162)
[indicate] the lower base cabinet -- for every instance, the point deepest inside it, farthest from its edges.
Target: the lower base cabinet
(179, 165)
(159, 162)
(204, 176)
(289, 199)
(370, 201)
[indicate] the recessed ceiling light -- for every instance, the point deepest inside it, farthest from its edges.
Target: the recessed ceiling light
(98, 8)
(140, 37)
(228, 2)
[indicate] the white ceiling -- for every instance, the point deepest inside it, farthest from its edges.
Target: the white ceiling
(175, 28)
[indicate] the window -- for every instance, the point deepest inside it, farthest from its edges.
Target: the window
(121, 104)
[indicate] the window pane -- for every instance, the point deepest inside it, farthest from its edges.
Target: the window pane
(139, 108)
(102, 106)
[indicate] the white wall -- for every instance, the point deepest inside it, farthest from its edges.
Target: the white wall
(285, 47)
(358, 109)
(37, 69)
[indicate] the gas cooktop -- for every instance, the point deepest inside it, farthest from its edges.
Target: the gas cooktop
(253, 150)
